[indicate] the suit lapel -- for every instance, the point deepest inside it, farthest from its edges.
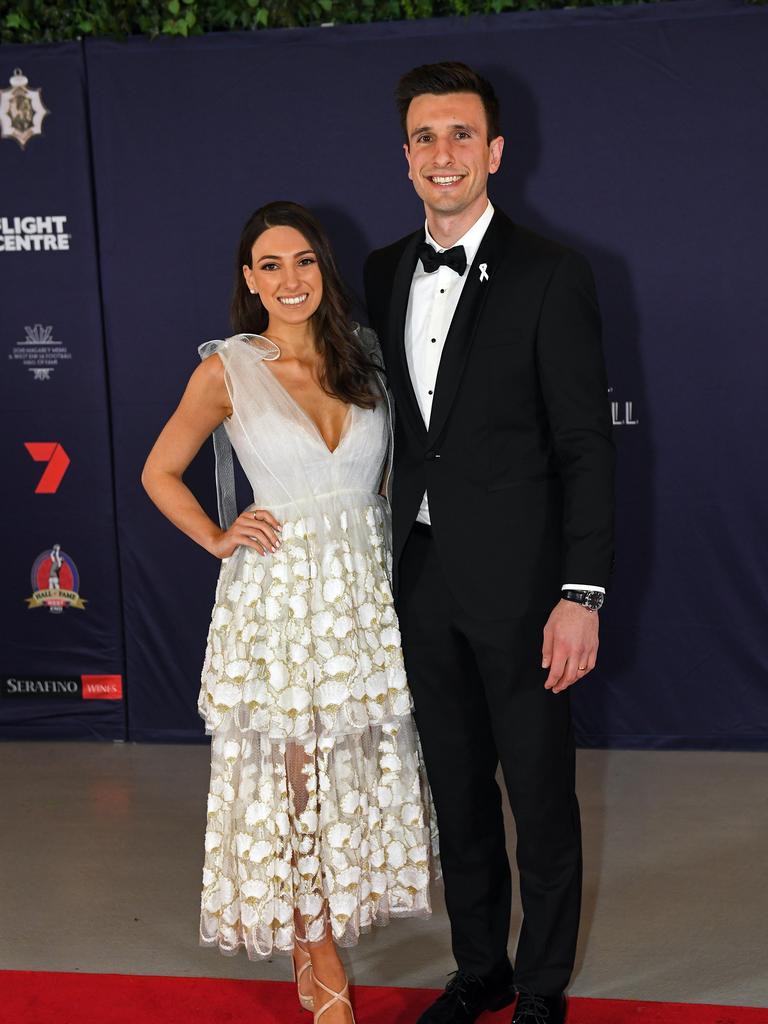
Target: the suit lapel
(401, 290)
(463, 327)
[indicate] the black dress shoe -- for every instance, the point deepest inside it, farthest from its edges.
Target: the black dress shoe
(466, 996)
(533, 1009)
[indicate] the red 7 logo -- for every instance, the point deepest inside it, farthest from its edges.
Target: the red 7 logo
(57, 459)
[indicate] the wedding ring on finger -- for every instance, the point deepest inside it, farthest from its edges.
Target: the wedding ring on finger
(582, 668)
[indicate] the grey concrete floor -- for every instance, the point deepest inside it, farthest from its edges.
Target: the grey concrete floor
(101, 853)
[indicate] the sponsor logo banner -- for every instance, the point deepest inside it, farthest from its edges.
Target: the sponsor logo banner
(55, 582)
(34, 234)
(21, 110)
(86, 687)
(57, 463)
(102, 687)
(39, 353)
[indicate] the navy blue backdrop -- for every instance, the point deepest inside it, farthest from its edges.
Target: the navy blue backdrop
(634, 134)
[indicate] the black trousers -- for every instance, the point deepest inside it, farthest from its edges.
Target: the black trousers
(478, 691)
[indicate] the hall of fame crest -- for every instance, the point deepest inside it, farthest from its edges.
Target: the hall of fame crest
(55, 582)
(21, 110)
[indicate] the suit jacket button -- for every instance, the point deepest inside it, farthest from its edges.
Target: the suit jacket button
(431, 456)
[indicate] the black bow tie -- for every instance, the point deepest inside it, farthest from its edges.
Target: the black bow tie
(454, 258)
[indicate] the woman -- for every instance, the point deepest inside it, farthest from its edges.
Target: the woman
(317, 824)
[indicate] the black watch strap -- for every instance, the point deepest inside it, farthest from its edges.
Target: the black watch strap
(592, 599)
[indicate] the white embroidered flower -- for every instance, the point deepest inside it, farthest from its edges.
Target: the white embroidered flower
(366, 615)
(330, 696)
(234, 590)
(400, 702)
(278, 675)
(411, 815)
(231, 751)
(413, 879)
(396, 856)
(221, 617)
(260, 851)
(390, 638)
(339, 834)
(308, 866)
(310, 904)
(212, 840)
(298, 606)
(322, 623)
(378, 883)
(384, 794)
(254, 889)
(348, 877)
(257, 813)
(350, 801)
(272, 609)
(303, 570)
(243, 843)
(281, 870)
(279, 571)
(376, 687)
(335, 568)
(214, 803)
(332, 590)
(342, 906)
(390, 763)
(342, 627)
(298, 654)
(251, 594)
(226, 695)
(339, 666)
(308, 821)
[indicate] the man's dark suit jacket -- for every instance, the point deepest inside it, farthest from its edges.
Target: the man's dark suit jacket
(518, 458)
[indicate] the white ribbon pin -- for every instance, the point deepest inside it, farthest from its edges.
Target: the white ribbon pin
(483, 271)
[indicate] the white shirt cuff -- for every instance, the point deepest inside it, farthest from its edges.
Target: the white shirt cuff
(582, 586)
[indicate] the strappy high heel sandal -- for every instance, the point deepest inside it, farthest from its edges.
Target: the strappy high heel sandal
(336, 997)
(308, 1002)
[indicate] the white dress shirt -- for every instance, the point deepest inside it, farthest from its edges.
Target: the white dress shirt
(431, 305)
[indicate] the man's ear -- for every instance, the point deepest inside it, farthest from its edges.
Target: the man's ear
(407, 152)
(496, 146)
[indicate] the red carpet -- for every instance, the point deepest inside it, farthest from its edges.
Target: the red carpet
(39, 997)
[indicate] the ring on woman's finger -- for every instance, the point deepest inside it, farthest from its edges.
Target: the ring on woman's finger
(582, 668)
(254, 515)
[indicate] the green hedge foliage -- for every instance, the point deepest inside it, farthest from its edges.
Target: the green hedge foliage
(33, 21)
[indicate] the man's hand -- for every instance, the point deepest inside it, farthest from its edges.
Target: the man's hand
(570, 645)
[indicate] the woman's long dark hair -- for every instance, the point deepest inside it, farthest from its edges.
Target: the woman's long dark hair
(347, 372)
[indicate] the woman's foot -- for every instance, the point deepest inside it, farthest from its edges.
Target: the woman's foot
(332, 1004)
(302, 974)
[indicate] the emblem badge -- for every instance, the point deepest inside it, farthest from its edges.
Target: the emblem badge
(483, 271)
(55, 582)
(21, 110)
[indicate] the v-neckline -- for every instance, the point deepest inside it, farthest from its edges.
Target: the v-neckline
(315, 425)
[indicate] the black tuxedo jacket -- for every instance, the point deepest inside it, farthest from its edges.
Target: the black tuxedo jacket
(518, 458)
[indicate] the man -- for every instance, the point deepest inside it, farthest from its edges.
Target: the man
(502, 534)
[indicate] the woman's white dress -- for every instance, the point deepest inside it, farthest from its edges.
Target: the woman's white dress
(318, 796)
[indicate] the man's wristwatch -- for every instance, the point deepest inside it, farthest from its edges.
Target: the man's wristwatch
(591, 599)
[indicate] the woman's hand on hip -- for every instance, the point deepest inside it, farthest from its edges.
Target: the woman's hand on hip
(255, 528)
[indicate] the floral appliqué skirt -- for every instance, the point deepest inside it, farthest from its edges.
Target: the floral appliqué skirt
(319, 815)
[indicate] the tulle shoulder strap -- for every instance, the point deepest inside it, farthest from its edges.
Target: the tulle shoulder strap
(226, 501)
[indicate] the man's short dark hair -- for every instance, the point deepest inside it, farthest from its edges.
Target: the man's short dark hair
(446, 77)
